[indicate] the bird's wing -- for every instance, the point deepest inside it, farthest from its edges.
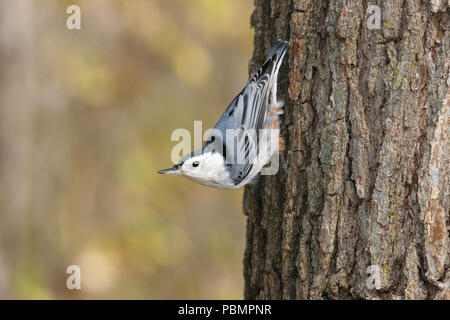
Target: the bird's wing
(246, 115)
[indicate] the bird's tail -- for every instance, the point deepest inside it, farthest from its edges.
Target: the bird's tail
(279, 49)
(273, 62)
(275, 59)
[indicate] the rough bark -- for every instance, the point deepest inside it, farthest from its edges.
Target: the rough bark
(363, 186)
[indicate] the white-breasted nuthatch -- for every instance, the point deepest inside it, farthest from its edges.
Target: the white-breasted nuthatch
(254, 110)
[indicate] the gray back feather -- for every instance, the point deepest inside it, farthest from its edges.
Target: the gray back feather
(247, 113)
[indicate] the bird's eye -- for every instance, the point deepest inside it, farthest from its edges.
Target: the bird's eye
(195, 163)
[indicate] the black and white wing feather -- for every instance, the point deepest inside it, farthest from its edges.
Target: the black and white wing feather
(246, 115)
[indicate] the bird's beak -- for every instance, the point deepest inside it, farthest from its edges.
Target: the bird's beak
(174, 170)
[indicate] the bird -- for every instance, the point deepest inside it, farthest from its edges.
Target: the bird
(238, 147)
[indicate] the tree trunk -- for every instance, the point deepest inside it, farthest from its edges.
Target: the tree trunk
(360, 205)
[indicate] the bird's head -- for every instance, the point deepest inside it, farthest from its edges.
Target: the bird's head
(202, 167)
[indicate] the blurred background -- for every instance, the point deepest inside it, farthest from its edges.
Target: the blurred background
(86, 118)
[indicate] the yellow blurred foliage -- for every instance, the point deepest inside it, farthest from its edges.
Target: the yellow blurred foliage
(192, 64)
(90, 116)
